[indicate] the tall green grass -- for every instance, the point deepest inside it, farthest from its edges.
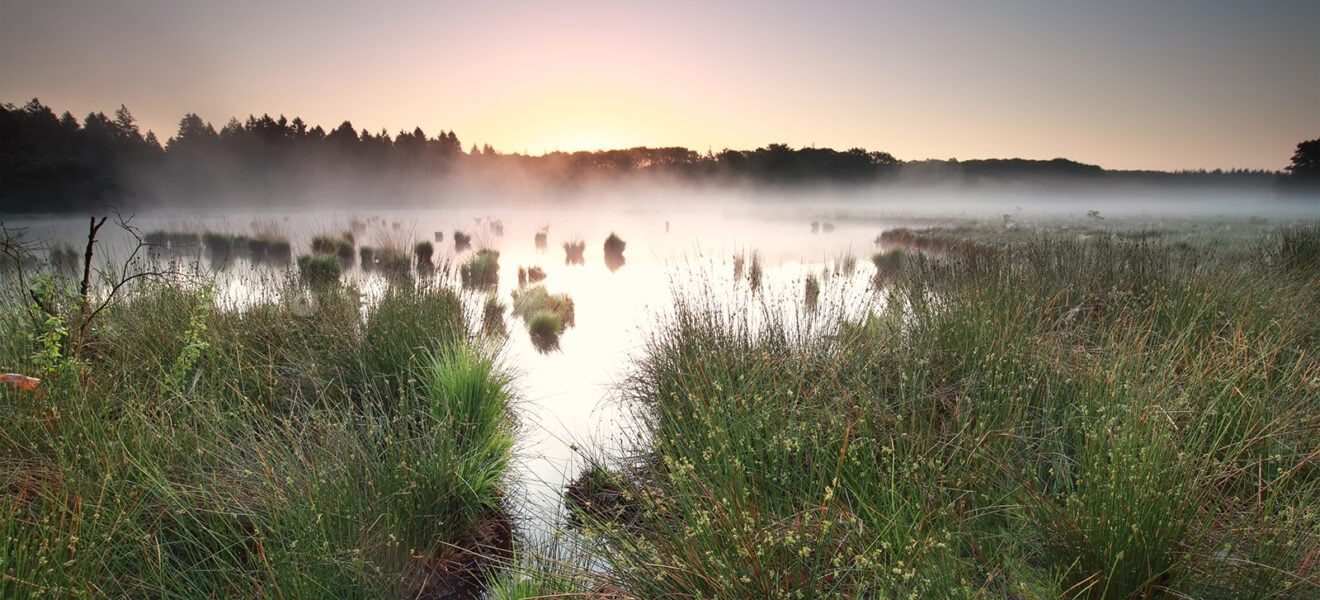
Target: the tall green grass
(1055, 419)
(299, 446)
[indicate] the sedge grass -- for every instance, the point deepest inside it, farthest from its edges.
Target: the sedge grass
(1100, 418)
(290, 447)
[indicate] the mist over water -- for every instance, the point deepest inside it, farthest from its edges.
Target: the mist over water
(680, 240)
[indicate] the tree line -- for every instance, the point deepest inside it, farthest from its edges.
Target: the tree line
(57, 163)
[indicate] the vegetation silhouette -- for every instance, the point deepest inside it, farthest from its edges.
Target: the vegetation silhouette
(53, 163)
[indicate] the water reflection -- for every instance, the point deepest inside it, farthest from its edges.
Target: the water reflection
(567, 381)
(613, 263)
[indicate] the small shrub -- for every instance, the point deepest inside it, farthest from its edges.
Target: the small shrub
(367, 258)
(812, 292)
(462, 241)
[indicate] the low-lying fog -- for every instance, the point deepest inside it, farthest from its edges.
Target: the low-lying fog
(675, 238)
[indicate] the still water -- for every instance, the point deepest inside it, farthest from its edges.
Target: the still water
(568, 397)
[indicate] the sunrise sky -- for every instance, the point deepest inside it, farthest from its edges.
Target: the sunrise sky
(1163, 85)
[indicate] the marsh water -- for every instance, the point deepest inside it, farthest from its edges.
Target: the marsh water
(568, 398)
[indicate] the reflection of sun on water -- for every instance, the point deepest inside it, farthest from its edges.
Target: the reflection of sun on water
(570, 395)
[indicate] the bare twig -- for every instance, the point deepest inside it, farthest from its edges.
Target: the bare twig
(117, 279)
(83, 290)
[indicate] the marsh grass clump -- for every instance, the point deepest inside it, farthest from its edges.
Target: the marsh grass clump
(319, 270)
(367, 258)
(614, 246)
(811, 292)
(546, 315)
(482, 270)
(279, 251)
(462, 241)
(392, 262)
(222, 248)
(258, 249)
(423, 251)
(162, 242)
(268, 245)
(439, 236)
(340, 246)
(156, 237)
(545, 327)
(739, 262)
(183, 240)
(324, 244)
(574, 251)
(535, 274)
(540, 239)
(529, 301)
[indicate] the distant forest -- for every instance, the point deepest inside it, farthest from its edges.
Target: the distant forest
(53, 163)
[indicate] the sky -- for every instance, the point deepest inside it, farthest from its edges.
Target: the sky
(1130, 85)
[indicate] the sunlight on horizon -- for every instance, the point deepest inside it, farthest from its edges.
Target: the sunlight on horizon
(1128, 86)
